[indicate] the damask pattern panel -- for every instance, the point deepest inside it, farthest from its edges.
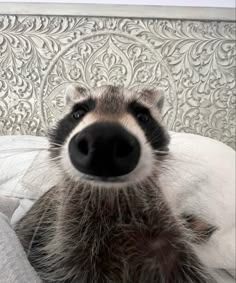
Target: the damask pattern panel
(193, 62)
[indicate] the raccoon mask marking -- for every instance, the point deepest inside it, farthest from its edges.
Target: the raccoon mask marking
(111, 130)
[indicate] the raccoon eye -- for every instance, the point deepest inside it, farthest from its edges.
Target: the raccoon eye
(142, 117)
(140, 112)
(79, 113)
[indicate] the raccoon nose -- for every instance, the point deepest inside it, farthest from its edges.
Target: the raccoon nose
(104, 150)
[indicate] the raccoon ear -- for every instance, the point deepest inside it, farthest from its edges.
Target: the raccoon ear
(160, 99)
(154, 97)
(74, 93)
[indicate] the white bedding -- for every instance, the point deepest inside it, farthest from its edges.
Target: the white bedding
(14, 266)
(201, 179)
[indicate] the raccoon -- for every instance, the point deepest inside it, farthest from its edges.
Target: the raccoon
(106, 220)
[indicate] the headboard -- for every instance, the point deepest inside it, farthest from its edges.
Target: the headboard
(189, 53)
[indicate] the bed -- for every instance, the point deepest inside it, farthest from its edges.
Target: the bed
(188, 53)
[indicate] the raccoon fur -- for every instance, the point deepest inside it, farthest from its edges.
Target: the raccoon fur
(107, 220)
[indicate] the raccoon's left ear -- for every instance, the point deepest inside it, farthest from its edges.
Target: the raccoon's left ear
(154, 97)
(74, 93)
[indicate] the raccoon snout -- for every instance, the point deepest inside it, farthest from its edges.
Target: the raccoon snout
(104, 150)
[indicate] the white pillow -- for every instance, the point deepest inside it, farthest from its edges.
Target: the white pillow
(199, 179)
(24, 162)
(194, 159)
(24, 166)
(24, 173)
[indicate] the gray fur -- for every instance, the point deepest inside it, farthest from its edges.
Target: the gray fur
(80, 232)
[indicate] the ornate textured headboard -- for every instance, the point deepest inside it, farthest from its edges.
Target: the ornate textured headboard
(191, 59)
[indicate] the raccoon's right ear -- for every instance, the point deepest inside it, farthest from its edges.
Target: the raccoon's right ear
(74, 93)
(154, 97)
(160, 100)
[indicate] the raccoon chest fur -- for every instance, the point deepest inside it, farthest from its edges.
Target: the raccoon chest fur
(95, 235)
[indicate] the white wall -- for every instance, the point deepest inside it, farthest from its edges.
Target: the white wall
(196, 3)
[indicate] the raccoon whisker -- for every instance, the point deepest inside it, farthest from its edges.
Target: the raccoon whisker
(24, 149)
(128, 201)
(166, 166)
(53, 149)
(12, 152)
(68, 192)
(35, 232)
(160, 152)
(55, 144)
(86, 194)
(186, 275)
(54, 158)
(117, 192)
(153, 140)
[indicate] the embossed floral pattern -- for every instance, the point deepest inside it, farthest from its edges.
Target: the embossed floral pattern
(193, 62)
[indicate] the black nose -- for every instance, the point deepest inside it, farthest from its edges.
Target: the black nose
(104, 150)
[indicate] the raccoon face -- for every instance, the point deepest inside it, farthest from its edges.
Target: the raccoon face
(109, 135)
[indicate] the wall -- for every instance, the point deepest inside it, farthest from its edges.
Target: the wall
(193, 3)
(192, 61)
